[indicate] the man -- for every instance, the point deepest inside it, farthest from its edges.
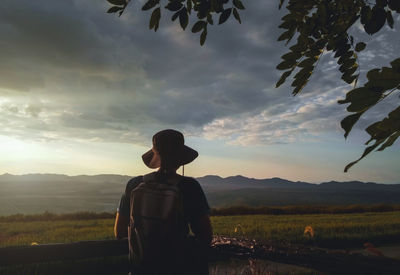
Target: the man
(167, 154)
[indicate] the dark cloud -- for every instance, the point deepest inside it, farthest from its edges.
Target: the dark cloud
(70, 70)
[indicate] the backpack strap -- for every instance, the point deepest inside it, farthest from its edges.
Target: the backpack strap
(154, 177)
(174, 180)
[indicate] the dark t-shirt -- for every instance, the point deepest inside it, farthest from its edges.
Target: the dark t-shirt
(195, 203)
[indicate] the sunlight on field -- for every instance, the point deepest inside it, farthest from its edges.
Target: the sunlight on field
(344, 230)
(42, 232)
(328, 230)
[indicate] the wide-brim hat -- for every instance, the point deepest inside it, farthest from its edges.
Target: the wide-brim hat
(169, 149)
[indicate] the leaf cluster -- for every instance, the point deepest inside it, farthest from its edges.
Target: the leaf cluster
(381, 83)
(320, 26)
(118, 6)
(203, 10)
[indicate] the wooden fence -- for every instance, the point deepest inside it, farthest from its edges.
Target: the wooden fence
(330, 262)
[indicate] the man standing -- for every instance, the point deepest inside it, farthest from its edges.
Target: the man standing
(165, 215)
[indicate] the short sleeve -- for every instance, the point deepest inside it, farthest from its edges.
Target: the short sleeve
(194, 200)
(125, 201)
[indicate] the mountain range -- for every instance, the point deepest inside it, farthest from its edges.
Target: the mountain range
(36, 193)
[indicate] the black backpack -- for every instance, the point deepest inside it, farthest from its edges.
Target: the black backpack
(157, 228)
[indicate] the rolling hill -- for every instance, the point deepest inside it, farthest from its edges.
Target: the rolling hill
(36, 193)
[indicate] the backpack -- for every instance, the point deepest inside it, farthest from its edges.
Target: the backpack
(157, 228)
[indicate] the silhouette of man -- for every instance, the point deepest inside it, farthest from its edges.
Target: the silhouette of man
(167, 154)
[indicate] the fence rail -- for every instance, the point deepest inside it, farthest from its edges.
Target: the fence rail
(67, 251)
(223, 248)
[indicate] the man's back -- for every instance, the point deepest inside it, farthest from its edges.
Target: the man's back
(173, 259)
(156, 230)
(168, 153)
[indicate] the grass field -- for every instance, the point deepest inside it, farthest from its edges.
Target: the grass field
(339, 230)
(336, 231)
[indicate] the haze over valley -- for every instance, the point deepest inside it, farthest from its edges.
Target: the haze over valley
(36, 193)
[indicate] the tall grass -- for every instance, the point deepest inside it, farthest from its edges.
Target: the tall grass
(224, 211)
(343, 230)
(339, 230)
(41, 232)
(302, 209)
(47, 216)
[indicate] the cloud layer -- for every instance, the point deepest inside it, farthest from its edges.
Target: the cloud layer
(71, 71)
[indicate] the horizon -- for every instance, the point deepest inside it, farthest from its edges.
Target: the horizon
(197, 177)
(85, 94)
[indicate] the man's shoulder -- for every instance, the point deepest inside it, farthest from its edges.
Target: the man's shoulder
(189, 183)
(133, 182)
(186, 183)
(189, 180)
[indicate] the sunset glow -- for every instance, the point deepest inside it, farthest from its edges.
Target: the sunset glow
(82, 92)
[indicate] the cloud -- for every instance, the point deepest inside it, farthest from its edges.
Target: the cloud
(69, 70)
(277, 124)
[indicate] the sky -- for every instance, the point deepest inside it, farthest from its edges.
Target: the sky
(83, 91)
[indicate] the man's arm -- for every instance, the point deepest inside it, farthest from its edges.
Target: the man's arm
(122, 217)
(121, 226)
(202, 229)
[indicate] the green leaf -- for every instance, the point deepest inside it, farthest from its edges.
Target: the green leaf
(373, 130)
(117, 2)
(360, 46)
(203, 37)
(189, 5)
(373, 74)
(198, 26)
(298, 48)
(377, 20)
(238, 4)
(366, 14)
(349, 66)
(308, 62)
(381, 3)
(342, 49)
(291, 56)
(236, 15)
(155, 19)
(174, 6)
(176, 14)
(348, 122)
(385, 79)
(366, 152)
(389, 141)
(394, 5)
(281, 3)
(282, 79)
(114, 9)
(150, 4)
(301, 79)
(385, 131)
(286, 64)
(203, 8)
(183, 18)
(361, 99)
(349, 78)
(390, 20)
(396, 65)
(392, 122)
(286, 25)
(299, 88)
(210, 19)
(285, 35)
(224, 16)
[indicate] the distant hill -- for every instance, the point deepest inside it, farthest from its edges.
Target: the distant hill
(240, 182)
(36, 193)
